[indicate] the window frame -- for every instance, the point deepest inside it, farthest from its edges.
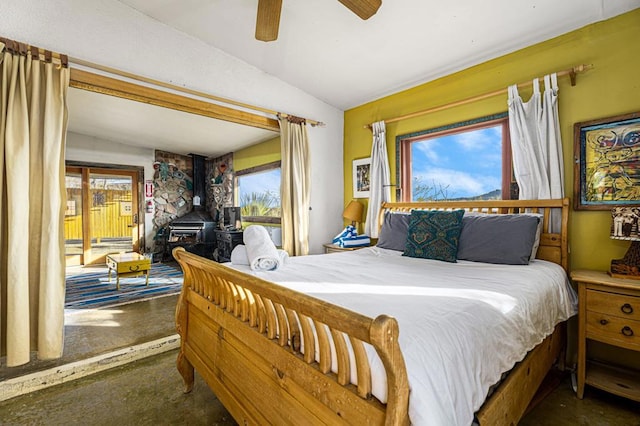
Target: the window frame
(404, 160)
(258, 169)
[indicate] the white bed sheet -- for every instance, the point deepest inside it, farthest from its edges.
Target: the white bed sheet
(461, 324)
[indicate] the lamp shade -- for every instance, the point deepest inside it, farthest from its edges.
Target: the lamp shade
(353, 211)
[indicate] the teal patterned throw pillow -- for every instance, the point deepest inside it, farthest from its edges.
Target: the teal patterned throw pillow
(434, 234)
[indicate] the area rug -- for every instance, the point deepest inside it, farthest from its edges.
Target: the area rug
(93, 290)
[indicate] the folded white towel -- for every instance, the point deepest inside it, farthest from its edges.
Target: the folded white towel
(262, 253)
(239, 255)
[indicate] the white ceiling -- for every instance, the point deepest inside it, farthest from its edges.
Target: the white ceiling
(148, 126)
(327, 51)
(330, 53)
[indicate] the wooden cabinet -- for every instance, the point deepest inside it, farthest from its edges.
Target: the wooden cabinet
(609, 312)
(225, 243)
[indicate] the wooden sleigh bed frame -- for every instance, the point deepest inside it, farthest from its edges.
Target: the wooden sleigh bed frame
(243, 334)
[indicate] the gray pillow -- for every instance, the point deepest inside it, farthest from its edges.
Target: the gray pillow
(393, 234)
(498, 238)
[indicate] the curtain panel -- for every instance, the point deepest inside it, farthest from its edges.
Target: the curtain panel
(295, 185)
(33, 124)
(379, 176)
(536, 144)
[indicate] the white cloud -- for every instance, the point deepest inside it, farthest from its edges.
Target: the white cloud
(428, 148)
(459, 183)
(478, 140)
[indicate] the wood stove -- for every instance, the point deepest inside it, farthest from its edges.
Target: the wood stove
(195, 231)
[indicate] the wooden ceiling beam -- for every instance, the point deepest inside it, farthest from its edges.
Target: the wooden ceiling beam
(97, 83)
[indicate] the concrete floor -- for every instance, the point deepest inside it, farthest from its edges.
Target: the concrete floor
(597, 408)
(149, 391)
(90, 332)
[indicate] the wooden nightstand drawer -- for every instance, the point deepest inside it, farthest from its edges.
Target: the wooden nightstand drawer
(619, 305)
(613, 330)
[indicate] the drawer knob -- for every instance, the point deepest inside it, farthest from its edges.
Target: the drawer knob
(134, 268)
(626, 308)
(604, 321)
(627, 331)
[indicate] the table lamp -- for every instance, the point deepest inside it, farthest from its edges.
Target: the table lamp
(624, 226)
(353, 212)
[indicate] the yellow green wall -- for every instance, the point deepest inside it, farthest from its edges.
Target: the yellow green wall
(257, 155)
(611, 88)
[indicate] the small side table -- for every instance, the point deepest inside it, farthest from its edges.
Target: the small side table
(609, 312)
(128, 265)
(333, 248)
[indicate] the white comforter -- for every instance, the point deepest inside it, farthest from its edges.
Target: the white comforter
(461, 324)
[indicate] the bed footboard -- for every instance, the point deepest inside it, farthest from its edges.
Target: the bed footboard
(273, 355)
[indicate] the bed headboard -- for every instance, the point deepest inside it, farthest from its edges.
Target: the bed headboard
(554, 246)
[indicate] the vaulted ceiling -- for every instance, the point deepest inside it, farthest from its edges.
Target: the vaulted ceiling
(329, 52)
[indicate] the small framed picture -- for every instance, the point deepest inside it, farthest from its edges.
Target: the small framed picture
(361, 177)
(607, 166)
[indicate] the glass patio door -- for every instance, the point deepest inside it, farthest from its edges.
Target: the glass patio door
(102, 214)
(73, 224)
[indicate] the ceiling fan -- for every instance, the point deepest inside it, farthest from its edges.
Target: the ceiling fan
(268, 19)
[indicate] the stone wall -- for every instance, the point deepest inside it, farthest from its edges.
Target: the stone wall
(172, 187)
(220, 183)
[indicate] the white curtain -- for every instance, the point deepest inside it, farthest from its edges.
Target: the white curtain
(33, 121)
(295, 185)
(379, 176)
(537, 145)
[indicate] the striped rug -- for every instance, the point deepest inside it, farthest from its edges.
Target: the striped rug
(93, 289)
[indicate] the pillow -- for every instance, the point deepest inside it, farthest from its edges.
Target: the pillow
(393, 234)
(536, 243)
(434, 234)
(498, 238)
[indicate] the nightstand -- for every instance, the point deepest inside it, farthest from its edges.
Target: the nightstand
(333, 248)
(609, 312)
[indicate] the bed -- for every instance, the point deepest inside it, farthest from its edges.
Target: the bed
(330, 343)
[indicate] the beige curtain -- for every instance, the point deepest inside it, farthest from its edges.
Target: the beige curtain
(294, 190)
(33, 122)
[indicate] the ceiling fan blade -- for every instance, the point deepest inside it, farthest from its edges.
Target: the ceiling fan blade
(268, 19)
(365, 9)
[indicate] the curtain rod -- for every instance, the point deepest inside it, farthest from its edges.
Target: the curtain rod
(110, 70)
(571, 72)
(18, 48)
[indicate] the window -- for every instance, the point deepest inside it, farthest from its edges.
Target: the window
(465, 161)
(258, 193)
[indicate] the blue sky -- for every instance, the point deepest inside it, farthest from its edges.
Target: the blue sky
(260, 182)
(469, 163)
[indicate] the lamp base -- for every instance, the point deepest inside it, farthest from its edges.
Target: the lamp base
(629, 265)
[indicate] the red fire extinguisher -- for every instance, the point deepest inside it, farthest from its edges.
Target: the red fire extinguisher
(149, 206)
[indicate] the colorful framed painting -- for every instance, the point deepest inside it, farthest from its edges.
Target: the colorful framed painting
(361, 177)
(607, 162)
